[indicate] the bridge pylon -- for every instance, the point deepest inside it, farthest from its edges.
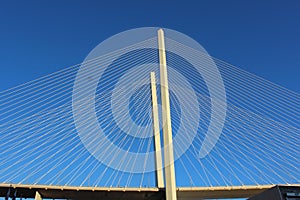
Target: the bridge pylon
(170, 181)
(156, 133)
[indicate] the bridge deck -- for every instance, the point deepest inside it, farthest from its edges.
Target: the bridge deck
(89, 193)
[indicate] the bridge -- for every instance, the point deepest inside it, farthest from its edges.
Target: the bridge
(149, 114)
(69, 192)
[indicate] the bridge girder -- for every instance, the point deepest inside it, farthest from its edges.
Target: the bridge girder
(107, 193)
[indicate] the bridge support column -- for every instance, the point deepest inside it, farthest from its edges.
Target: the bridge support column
(37, 196)
(156, 133)
(167, 126)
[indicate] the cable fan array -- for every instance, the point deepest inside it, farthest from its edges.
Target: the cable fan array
(40, 144)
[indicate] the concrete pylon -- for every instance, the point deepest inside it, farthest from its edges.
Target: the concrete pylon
(167, 126)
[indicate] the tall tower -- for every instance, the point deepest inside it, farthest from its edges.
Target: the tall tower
(170, 181)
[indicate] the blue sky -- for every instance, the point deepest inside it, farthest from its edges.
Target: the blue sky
(40, 37)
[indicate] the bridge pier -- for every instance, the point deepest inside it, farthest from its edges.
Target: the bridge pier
(38, 196)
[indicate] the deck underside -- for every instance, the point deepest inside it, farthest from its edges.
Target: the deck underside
(91, 193)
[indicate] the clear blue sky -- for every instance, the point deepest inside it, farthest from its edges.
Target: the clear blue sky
(40, 37)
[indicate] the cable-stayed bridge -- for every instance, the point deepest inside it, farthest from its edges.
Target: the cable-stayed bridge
(148, 115)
